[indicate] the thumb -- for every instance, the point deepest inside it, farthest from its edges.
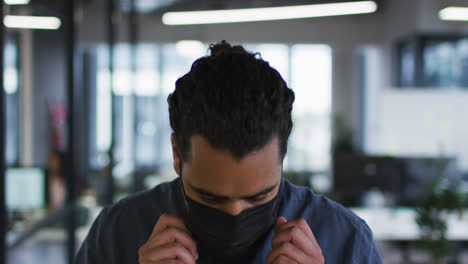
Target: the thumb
(279, 221)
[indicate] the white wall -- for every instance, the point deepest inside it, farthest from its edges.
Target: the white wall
(414, 121)
(418, 122)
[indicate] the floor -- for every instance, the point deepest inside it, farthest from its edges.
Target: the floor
(33, 252)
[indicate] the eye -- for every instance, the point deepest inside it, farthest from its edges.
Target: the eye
(258, 198)
(210, 199)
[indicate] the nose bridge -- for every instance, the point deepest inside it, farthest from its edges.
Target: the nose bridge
(235, 207)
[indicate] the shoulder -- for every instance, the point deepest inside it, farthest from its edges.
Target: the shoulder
(161, 191)
(319, 211)
(161, 198)
(127, 224)
(140, 210)
(341, 234)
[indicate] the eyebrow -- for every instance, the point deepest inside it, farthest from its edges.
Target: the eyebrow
(224, 198)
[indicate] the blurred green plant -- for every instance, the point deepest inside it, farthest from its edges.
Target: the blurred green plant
(432, 213)
(296, 177)
(342, 137)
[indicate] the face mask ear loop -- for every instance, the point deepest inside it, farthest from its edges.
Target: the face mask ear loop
(278, 198)
(187, 208)
(183, 189)
(181, 178)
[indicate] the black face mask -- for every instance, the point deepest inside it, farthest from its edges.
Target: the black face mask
(228, 237)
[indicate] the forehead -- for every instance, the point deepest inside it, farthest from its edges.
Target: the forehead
(219, 172)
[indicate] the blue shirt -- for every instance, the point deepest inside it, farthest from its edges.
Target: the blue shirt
(121, 229)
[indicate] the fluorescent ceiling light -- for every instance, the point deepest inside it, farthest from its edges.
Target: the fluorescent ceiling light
(268, 13)
(16, 2)
(454, 13)
(33, 22)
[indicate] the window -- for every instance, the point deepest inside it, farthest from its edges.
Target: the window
(11, 86)
(307, 70)
(142, 119)
(177, 59)
(147, 105)
(309, 148)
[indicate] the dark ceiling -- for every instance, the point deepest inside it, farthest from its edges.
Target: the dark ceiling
(157, 6)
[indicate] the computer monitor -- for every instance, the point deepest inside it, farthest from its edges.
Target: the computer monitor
(421, 173)
(25, 188)
(405, 179)
(354, 175)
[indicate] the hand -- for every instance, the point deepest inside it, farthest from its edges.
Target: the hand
(294, 243)
(170, 242)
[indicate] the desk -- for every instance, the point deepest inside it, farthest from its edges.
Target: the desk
(399, 224)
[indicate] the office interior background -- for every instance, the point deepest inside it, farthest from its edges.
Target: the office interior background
(380, 118)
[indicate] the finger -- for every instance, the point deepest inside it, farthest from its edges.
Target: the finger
(282, 259)
(290, 251)
(295, 236)
(168, 252)
(279, 221)
(166, 221)
(170, 261)
(172, 235)
(302, 224)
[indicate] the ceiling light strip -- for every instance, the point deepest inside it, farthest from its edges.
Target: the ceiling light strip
(454, 13)
(32, 22)
(16, 2)
(268, 13)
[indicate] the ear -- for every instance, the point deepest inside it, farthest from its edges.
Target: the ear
(175, 155)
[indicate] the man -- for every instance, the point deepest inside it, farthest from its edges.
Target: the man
(231, 120)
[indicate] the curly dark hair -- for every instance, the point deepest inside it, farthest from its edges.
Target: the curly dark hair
(233, 99)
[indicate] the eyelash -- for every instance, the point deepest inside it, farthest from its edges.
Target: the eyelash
(209, 199)
(258, 199)
(213, 200)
